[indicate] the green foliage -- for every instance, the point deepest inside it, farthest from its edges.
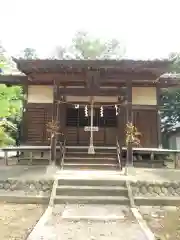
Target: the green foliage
(11, 101)
(175, 57)
(170, 114)
(29, 53)
(83, 46)
(11, 109)
(3, 60)
(5, 139)
(10, 104)
(5, 128)
(170, 100)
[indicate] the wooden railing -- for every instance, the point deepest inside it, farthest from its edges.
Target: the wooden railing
(119, 153)
(31, 154)
(26, 153)
(62, 153)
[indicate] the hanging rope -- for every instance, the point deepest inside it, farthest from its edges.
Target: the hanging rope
(86, 104)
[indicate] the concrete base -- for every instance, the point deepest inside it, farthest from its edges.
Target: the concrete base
(24, 199)
(157, 201)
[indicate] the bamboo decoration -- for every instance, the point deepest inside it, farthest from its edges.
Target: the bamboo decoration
(132, 135)
(53, 128)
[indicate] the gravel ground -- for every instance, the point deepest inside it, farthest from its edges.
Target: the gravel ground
(17, 220)
(163, 221)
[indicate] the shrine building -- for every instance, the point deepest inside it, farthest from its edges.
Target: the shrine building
(102, 95)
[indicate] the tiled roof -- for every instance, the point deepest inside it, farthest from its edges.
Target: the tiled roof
(53, 65)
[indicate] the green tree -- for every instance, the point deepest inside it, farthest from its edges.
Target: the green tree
(83, 46)
(29, 53)
(170, 101)
(10, 102)
(170, 113)
(3, 60)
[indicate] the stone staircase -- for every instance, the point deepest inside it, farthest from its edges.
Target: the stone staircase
(78, 158)
(91, 191)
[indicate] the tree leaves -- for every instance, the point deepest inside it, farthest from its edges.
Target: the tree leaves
(10, 105)
(83, 46)
(170, 100)
(28, 53)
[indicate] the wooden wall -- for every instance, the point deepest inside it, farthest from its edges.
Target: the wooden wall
(38, 115)
(144, 96)
(44, 94)
(105, 136)
(40, 94)
(146, 123)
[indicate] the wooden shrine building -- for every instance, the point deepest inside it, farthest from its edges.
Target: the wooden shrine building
(71, 91)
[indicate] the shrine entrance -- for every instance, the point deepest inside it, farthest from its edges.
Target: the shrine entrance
(78, 125)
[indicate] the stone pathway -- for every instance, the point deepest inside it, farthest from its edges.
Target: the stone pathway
(89, 222)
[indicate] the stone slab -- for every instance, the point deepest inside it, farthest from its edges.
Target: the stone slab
(60, 229)
(157, 201)
(24, 199)
(95, 212)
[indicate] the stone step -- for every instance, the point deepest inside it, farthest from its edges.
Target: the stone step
(120, 200)
(109, 149)
(91, 191)
(87, 166)
(89, 158)
(90, 182)
(104, 153)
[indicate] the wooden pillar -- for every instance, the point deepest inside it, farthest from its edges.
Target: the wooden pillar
(24, 124)
(62, 118)
(129, 119)
(54, 118)
(159, 135)
(121, 121)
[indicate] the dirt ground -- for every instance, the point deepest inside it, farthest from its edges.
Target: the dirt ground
(17, 220)
(163, 221)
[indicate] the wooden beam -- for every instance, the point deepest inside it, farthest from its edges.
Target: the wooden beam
(101, 77)
(88, 92)
(144, 107)
(96, 104)
(13, 79)
(92, 79)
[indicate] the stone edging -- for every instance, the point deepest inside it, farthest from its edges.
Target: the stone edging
(25, 191)
(155, 193)
(155, 189)
(37, 229)
(27, 186)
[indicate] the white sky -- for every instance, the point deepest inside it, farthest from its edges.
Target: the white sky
(147, 28)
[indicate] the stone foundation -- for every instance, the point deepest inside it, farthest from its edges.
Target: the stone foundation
(153, 189)
(27, 186)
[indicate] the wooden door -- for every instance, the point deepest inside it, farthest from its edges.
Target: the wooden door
(75, 123)
(107, 124)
